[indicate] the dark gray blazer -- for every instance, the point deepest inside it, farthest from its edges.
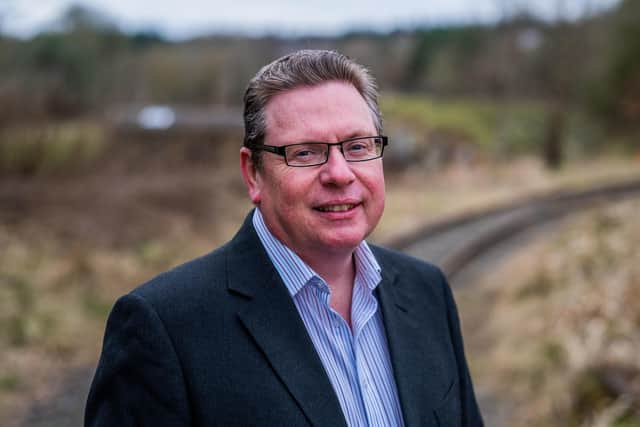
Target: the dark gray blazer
(218, 341)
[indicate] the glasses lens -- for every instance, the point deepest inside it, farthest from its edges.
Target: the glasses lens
(317, 153)
(362, 149)
(308, 154)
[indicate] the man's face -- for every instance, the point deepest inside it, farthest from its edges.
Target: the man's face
(322, 209)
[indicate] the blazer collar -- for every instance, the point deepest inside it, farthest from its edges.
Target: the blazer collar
(273, 321)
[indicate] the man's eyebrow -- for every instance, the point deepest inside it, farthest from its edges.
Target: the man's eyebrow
(350, 135)
(359, 134)
(355, 135)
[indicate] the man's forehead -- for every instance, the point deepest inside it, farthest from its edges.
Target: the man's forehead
(315, 108)
(300, 94)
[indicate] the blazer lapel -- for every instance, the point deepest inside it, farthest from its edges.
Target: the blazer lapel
(273, 321)
(409, 344)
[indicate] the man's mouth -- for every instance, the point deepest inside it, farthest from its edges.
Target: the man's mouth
(336, 208)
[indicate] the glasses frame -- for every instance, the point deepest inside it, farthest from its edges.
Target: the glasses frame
(282, 149)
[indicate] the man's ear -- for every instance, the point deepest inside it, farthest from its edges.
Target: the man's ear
(251, 175)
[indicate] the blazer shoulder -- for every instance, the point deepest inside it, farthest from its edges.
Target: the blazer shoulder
(194, 279)
(418, 278)
(401, 262)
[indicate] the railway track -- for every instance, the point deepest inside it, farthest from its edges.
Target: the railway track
(452, 244)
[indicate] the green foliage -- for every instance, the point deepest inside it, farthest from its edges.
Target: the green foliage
(70, 64)
(17, 325)
(540, 285)
(96, 306)
(554, 352)
(9, 382)
(89, 65)
(629, 419)
(590, 395)
(615, 93)
(461, 41)
(145, 39)
(49, 148)
(472, 120)
(198, 71)
(504, 128)
(153, 253)
(63, 73)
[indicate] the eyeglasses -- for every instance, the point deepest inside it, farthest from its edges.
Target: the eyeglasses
(305, 154)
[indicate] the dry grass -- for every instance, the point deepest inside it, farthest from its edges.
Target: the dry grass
(560, 329)
(37, 149)
(417, 197)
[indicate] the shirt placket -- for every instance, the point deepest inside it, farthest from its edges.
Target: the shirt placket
(342, 340)
(366, 309)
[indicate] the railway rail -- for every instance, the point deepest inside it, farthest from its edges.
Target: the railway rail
(454, 243)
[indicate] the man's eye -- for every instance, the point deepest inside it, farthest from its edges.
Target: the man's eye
(304, 153)
(359, 148)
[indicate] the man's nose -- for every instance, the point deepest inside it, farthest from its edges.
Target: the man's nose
(337, 170)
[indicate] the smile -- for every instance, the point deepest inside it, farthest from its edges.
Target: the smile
(336, 208)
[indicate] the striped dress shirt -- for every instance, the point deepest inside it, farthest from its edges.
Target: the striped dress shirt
(356, 359)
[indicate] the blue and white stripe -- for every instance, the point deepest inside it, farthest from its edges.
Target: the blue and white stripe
(356, 360)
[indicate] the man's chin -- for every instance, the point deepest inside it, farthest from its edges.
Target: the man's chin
(343, 242)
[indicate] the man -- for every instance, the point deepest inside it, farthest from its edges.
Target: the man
(297, 320)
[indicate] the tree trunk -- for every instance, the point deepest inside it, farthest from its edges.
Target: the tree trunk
(553, 147)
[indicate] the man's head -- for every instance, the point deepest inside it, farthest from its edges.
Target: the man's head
(302, 68)
(318, 97)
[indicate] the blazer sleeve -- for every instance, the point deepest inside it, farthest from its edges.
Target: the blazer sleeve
(138, 381)
(470, 411)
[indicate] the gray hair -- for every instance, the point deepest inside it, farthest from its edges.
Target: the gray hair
(302, 68)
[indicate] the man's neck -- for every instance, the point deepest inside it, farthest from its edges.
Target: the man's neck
(339, 272)
(335, 266)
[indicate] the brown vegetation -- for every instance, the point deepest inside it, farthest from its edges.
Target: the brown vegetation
(74, 241)
(87, 211)
(559, 326)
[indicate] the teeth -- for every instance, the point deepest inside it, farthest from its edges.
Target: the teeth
(335, 208)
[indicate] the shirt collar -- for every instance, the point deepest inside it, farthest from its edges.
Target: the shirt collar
(295, 273)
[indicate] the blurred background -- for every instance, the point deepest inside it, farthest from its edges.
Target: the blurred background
(120, 125)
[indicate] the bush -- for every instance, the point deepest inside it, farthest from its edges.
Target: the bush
(48, 148)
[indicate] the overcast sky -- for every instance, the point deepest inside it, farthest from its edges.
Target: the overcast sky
(181, 19)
